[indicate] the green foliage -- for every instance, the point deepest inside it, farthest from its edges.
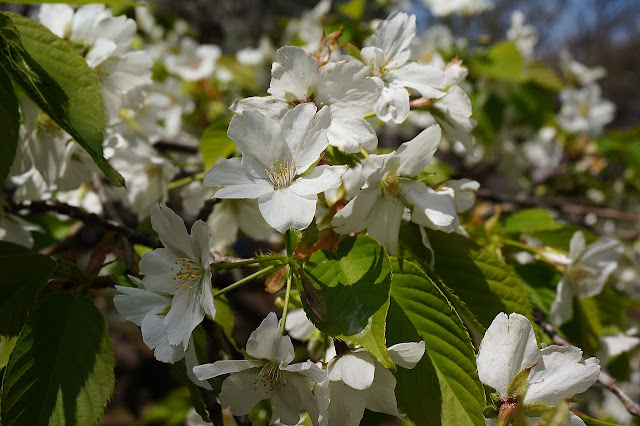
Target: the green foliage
(354, 9)
(444, 387)
(530, 220)
(354, 282)
(25, 274)
(61, 83)
(215, 144)
(61, 369)
(584, 329)
(540, 281)
(10, 124)
(561, 237)
(503, 61)
(476, 275)
(544, 76)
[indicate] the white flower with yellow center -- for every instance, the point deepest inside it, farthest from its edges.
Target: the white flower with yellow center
(389, 186)
(387, 59)
(587, 272)
(181, 269)
(267, 374)
(274, 156)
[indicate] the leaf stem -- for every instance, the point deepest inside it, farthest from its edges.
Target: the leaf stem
(245, 280)
(230, 265)
(285, 309)
(177, 183)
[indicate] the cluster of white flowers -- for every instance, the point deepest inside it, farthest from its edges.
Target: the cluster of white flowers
(337, 394)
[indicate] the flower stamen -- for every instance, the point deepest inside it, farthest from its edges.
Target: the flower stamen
(271, 377)
(282, 173)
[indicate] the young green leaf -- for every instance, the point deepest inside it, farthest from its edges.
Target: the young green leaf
(61, 369)
(82, 116)
(482, 281)
(444, 387)
(215, 144)
(354, 283)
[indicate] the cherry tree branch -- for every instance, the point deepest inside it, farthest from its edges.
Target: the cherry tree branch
(92, 219)
(605, 378)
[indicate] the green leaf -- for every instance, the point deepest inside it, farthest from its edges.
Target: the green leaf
(10, 124)
(354, 282)
(83, 117)
(540, 281)
(476, 275)
(560, 238)
(24, 276)
(542, 75)
(557, 416)
(584, 329)
(354, 51)
(530, 220)
(444, 387)
(215, 144)
(502, 62)
(61, 370)
(353, 9)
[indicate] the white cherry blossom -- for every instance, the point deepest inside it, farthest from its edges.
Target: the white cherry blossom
(524, 36)
(380, 204)
(387, 60)
(578, 73)
(583, 110)
(195, 61)
(274, 156)
(146, 309)
(267, 374)
(181, 269)
(460, 7)
(556, 373)
(587, 272)
(343, 86)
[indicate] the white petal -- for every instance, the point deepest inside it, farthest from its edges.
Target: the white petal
(239, 393)
(185, 314)
(345, 84)
(577, 245)
(319, 180)
(354, 216)
(508, 346)
(406, 355)
(418, 152)
(85, 19)
(56, 17)
(251, 222)
(394, 35)
(268, 105)
(384, 222)
(562, 307)
(345, 404)
(156, 268)
(423, 78)
(191, 360)
(99, 52)
(298, 325)
(393, 104)
(289, 401)
(260, 140)
(218, 368)
(223, 225)
(266, 342)
(127, 72)
(355, 369)
(381, 397)
(308, 368)
(172, 232)
(433, 209)
(234, 180)
(284, 209)
(154, 335)
(306, 133)
(136, 303)
(294, 74)
(560, 374)
(454, 112)
(350, 132)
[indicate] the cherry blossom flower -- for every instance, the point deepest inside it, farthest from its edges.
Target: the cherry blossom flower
(387, 60)
(146, 309)
(195, 61)
(267, 374)
(585, 275)
(556, 373)
(380, 204)
(343, 86)
(583, 110)
(181, 269)
(274, 156)
(460, 7)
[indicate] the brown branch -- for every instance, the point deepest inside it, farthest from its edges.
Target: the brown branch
(43, 206)
(605, 379)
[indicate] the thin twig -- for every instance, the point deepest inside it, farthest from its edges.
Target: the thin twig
(605, 379)
(89, 219)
